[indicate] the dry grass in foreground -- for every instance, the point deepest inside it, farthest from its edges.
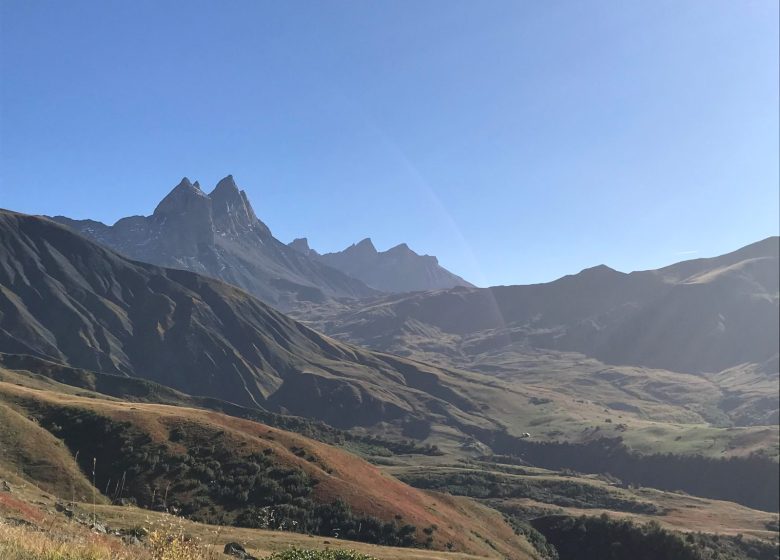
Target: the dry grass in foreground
(25, 543)
(19, 542)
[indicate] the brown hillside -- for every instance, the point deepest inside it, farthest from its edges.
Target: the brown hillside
(339, 474)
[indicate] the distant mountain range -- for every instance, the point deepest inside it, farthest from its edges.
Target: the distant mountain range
(396, 270)
(703, 315)
(67, 300)
(219, 234)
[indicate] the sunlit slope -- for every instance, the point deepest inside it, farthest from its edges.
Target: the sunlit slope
(32, 453)
(173, 432)
(530, 492)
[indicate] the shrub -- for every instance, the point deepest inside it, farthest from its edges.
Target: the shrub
(303, 554)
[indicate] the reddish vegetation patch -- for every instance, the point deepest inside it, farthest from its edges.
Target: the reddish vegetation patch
(369, 491)
(9, 503)
(340, 474)
(116, 546)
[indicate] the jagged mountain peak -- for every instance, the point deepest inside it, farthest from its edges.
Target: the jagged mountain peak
(185, 197)
(399, 269)
(364, 245)
(219, 234)
(226, 190)
(233, 213)
(402, 250)
(400, 247)
(227, 182)
(185, 185)
(301, 244)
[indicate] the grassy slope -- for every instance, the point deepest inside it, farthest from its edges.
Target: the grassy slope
(676, 511)
(32, 453)
(363, 486)
(684, 512)
(63, 536)
(579, 398)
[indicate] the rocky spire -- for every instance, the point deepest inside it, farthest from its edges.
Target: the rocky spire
(301, 245)
(365, 247)
(185, 197)
(183, 220)
(233, 214)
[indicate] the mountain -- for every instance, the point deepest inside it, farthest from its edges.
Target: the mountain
(218, 234)
(704, 315)
(396, 270)
(69, 301)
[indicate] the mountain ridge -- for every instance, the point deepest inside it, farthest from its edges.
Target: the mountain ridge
(704, 315)
(396, 270)
(220, 235)
(73, 301)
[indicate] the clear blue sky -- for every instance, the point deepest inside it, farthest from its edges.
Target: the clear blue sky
(517, 141)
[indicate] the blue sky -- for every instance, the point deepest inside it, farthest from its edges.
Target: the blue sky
(517, 141)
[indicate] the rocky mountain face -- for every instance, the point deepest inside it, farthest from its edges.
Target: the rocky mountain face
(218, 234)
(704, 315)
(301, 244)
(71, 301)
(396, 270)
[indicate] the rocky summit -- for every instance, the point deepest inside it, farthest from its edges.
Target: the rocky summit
(219, 234)
(396, 270)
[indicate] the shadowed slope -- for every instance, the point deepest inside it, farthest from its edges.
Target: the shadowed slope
(71, 301)
(705, 315)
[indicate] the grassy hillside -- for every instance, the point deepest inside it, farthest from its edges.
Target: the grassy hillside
(33, 453)
(32, 528)
(226, 470)
(526, 493)
(38, 373)
(70, 538)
